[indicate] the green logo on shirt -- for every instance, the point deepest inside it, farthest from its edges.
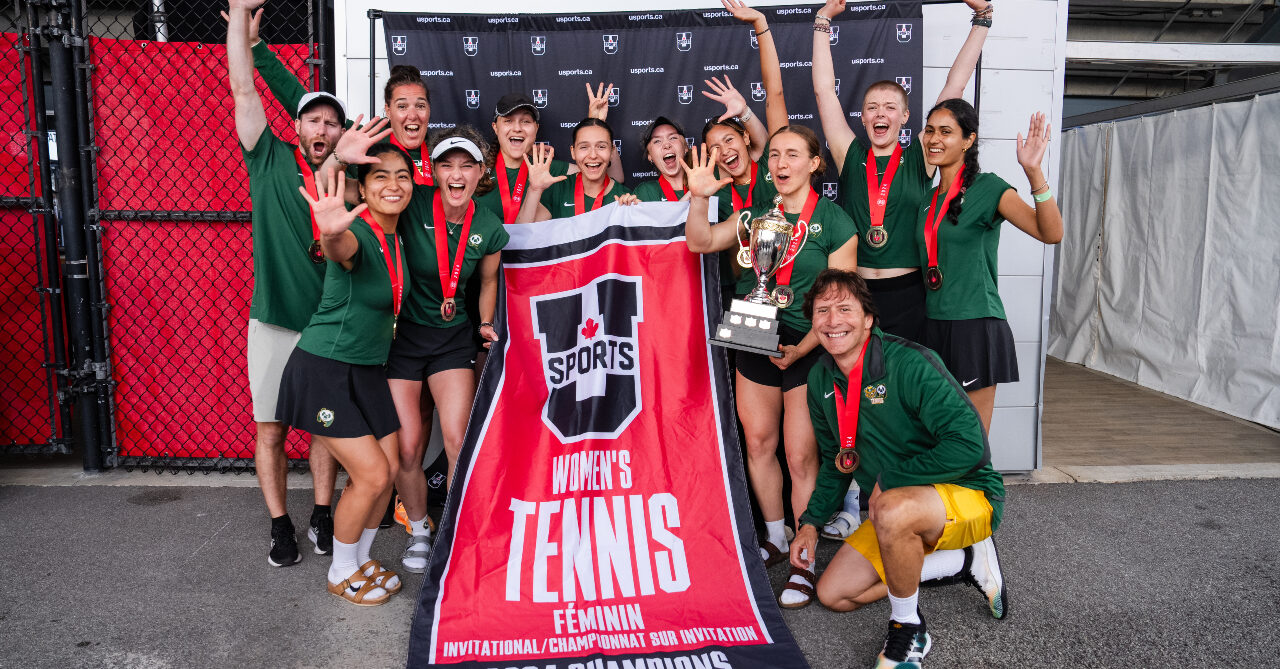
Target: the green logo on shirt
(325, 417)
(474, 240)
(875, 393)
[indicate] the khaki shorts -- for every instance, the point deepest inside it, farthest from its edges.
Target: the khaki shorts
(269, 349)
(968, 522)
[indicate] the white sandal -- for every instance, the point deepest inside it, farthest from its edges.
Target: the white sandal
(841, 526)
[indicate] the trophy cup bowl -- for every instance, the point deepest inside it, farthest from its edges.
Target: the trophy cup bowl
(751, 324)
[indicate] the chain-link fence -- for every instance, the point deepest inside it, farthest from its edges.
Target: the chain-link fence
(173, 206)
(32, 360)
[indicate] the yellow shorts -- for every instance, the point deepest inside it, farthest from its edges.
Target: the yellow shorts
(968, 522)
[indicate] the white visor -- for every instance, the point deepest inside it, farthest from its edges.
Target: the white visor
(457, 143)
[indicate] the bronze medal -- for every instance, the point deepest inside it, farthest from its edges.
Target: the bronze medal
(877, 237)
(448, 309)
(847, 460)
(744, 258)
(315, 252)
(933, 277)
(783, 297)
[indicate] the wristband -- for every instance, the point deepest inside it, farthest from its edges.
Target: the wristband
(746, 116)
(762, 32)
(984, 23)
(342, 164)
(1037, 188)
(819, 17)
(1043, 197)
(821, 27)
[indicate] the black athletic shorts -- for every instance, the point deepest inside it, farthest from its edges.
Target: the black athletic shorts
(900, 301)
(979, 352)
(419, 351)
(335, 399)
(760, 368)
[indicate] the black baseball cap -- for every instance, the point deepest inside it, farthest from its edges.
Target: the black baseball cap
(661, 120)
(513, 101)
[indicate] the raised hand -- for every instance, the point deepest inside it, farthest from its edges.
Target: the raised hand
(539, 162)
(330, 208)
(353, 146)
(833, 8)
(700, 177)
(255, 22)
(1031, 148)
(598, 101)
(626, 199)
(727, 95)
(246, 4)
(742, 12)
(975, 5)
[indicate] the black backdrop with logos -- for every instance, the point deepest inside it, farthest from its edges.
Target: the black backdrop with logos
(657, 62)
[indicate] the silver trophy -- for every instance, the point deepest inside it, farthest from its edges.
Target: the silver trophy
(751, 324)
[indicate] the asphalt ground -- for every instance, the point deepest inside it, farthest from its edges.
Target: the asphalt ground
(1146, 574)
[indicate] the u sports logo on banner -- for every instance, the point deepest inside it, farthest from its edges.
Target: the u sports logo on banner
(615, 96)
(610, 44)
(470, 45)
(539, 44)
(904, 32)
(399, 44)
(684, 93)
(617, 146)
(904, 136)
(904, 82)
(837, 87)
(755, 39)
(757, 91)
(684, 41)
(830, 189)
(540, 98)
(473, 98)
(590, 357)
(834, 37)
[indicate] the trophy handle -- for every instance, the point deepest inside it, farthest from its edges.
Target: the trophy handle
(804, 237)
(743, 220)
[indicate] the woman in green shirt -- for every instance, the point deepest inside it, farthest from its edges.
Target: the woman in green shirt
(447, 239)
(591, 188)
(334, 385)
(770, 390)
(959, 226)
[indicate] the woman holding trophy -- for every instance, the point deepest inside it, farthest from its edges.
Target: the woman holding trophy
(772, 386)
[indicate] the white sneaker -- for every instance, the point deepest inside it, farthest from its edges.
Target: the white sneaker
(983, 572)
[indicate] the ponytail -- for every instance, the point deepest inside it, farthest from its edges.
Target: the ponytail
(967, 119)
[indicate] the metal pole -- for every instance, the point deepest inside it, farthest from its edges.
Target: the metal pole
(374, 15)
(160, 21)
(75, 268)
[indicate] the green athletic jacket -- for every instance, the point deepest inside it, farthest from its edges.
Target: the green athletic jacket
(916, 426)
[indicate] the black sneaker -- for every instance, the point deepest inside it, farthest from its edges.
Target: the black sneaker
(321, 533)
(284, 545)
(905, 646)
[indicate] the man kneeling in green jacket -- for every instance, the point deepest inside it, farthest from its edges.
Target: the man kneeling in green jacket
(887, 414)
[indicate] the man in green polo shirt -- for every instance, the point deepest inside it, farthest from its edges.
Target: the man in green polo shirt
(888, 415)
(287, 277)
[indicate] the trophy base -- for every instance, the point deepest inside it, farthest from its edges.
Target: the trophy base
(749, 327)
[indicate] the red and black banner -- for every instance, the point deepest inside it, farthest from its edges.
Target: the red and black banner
(598, 518)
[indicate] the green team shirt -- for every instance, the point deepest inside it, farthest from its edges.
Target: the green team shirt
(968, 253)
(910, 183)
(829, 229)
(651, 191)
(558, 199)
(916, 426)
(417, 229)
(355, 323)
(492, 201)
(286, 88)
(286, 284)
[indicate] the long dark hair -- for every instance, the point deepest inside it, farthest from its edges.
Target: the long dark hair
(588, 123)
(402, 75)
(377, 151)
(967, 118)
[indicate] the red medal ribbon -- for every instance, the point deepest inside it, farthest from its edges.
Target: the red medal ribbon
(394, 273)
(847, 414)
(932, 222)
(797, 238)
(449, 278)
(877, 189)
(579, 205)
(668, 191)
(511, 197)
(421, 175)
(309, 180)
(738, 203)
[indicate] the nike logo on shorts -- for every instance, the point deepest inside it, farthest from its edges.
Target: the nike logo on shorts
(968, 383)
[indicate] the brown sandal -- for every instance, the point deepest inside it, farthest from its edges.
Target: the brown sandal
(381, 576)
(355, 595)
(775, 555)
(805, 588)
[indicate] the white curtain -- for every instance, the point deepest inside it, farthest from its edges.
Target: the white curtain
(1169, 270)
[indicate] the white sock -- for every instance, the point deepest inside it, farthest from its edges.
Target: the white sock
(904, 608)
(795, 596)
(939, 564)
(852, 503)
(776, 534)
(419, 527)
(364, 544)
(344, 561)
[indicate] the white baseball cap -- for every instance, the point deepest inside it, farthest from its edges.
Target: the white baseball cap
(321, 97)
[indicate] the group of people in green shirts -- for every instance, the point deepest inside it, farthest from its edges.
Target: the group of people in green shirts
(890, 352)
